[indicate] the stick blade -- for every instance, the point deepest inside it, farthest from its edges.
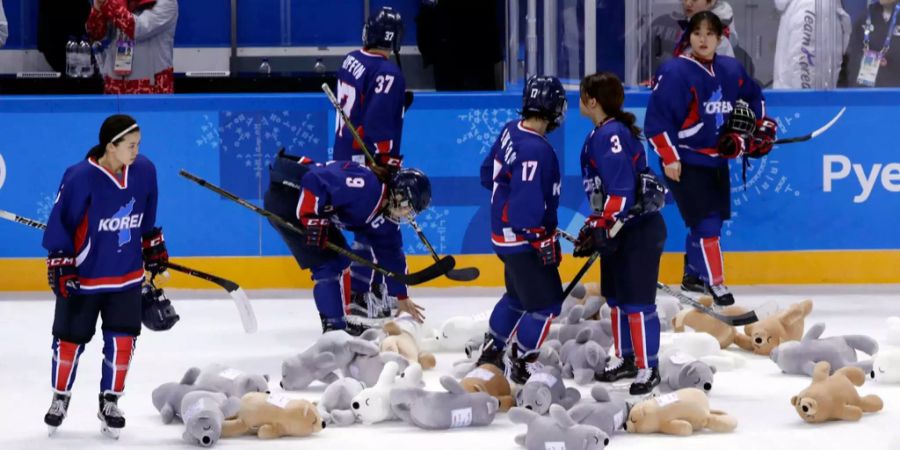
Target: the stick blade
(242, 302)
(464, 274)
(439, 268)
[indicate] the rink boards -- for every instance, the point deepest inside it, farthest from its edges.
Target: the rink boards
(823, 211)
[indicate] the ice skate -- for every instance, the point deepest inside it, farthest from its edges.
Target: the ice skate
(59, 407)
(519, 368)
(489, 354)
(646, 381)
(692, 283)
(622, 368)
(721, 296)
(111, 419)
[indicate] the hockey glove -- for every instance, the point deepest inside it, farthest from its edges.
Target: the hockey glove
(62, 275)
(547, 246)
(156, 257)
(316, 230)
(594, 237)
(763, 139)
(731, 145)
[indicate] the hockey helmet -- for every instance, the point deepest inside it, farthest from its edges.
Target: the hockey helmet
(157, 312)
(742, 120)
(409, 194)
(545, 97)
(384, 29)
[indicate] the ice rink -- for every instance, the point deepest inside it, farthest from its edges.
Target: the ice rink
(209, 331)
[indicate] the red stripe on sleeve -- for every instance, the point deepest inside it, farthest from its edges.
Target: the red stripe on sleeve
(612, 208)
(663, 147)
(308, 204)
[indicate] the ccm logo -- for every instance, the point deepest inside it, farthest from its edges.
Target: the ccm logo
(53, 262)
(838, 167)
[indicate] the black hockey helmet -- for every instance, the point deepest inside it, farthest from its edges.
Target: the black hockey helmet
(741, 120)
(409, 194)
(384, 29)
(157, 312)
(545, 97)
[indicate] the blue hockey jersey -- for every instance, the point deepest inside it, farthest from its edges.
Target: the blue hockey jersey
(691, 101)
(611, 160)
(351, 196)
(522, 172)
(99, 217)
(371, 90)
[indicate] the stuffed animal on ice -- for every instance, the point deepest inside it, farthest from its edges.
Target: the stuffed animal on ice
(334, 406)
(558, 431)
(800, 358)
(330, 352)
(399, 341)
(893, 331)
(834, 397)
(601, 330)
(704, 323)
(273, 416)
(679, 370)
(761, 337)
(581, 357)
(368, 361)
(886, 367)
(373, 405)
(680, 413)
(231, 382)
(582, 294)
(545, 388)
(489, 379)
(606, 413)
(410, 377)
(456, 331)
(455, 408)
(204, 414)
(167, 396)
(702, 347)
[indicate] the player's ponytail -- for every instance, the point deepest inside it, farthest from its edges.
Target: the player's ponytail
(607, 90)
(113, 130)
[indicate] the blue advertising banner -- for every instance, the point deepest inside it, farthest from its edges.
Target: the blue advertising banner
(838, 191)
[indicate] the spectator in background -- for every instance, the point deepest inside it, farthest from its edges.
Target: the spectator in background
(796, 64)
(4, 26)
(57, 20)
(873, 60)
(141, 37)
(463, 39)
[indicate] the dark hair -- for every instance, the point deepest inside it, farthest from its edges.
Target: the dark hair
(112, 127)
(607, 90)
(712, 20)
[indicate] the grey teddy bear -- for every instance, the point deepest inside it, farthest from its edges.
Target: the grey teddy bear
(231, 382)
(204, 413)
(318, 362)
(800, 358)
(557, 432)
(443, 410)
(545, 388)
(368, 360)
(334, 406)
(581, 357)
(577, 321)
(167, 397)
(609, 414)
(679, 370)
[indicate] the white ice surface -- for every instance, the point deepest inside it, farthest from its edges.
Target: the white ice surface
(757, 395)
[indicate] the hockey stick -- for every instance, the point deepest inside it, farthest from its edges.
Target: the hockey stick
(463, 274)
(613, 231)
(439, 268)
(734, 321)
(248, 318)
(809, 136)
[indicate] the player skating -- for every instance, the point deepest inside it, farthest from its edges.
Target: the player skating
(101, 236)
(621, 188)
(522, 172)
(702, 112)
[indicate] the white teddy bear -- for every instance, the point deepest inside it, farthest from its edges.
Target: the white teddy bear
(373, 404)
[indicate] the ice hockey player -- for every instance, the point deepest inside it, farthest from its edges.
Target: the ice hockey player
(321, 198)
(622, 189)
(101, 237)
(372, 92)
(702, 112)
(523, 174)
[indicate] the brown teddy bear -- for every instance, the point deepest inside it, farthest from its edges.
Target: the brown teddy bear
(399, 341)
(834, 397)
(273, 416)
(490, 379)
(680, 413)
(761, 337)
(704, 323)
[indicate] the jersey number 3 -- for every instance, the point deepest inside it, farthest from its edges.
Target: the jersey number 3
(614, 143)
